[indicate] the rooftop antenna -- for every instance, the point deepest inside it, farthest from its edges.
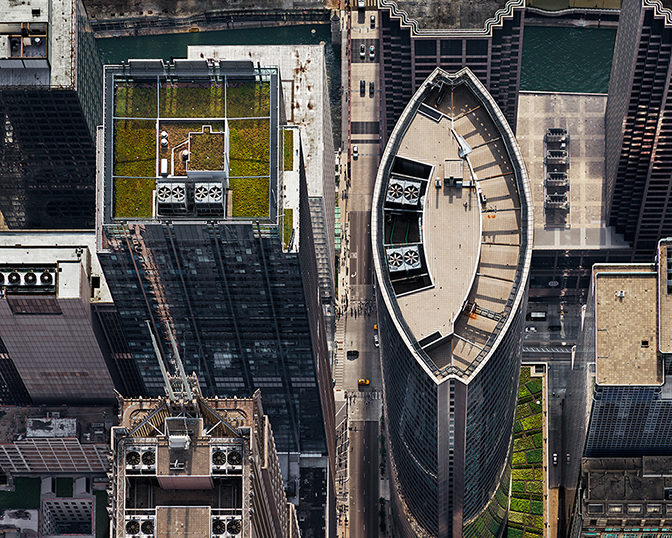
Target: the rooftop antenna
(180, 366)
(169, 389)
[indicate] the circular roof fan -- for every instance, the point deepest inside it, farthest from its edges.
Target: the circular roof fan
(411, 257)
(46, 278)
(14, 278)
(219, 458)
(216, 193)
(178, 193)
(233, 526)
(234, 458)
(148, 458)
(395, 190)
(411, 193)
(148, 527)
(395, 259)
(133, 458)
(163, 193)
(132, 527)
(201, 193)
(218, 526)
(30, 278)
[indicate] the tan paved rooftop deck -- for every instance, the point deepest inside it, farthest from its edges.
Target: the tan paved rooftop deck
(472, 249)
(626, 326)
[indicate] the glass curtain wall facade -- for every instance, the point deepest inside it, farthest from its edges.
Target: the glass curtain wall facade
(639, 127)
(450, 343)
(48, 119)
(492, 52)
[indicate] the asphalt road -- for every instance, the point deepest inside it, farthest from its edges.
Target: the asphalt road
(364, 466)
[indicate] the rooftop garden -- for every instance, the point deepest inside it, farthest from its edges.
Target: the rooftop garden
(248, 99)
(249, 148)
(288, 149)
(288, 226)
(526, 511)
(206, 150)
(250, 197)
(201, 99)
(135, 100)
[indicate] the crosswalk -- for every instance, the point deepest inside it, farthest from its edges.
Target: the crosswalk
(339, 366)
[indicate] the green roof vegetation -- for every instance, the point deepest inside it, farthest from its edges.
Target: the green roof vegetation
(192, 100)
(249, 148)
(250, 197)
(135, 148)
(526, 518)
(135, 100)
(248, 99)
(133, 197)
(206, 151)
(26, 495)
(289, 149)
(288, 226)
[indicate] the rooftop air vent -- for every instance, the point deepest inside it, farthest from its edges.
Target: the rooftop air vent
(226, 527)
(139, 526)
(405, 258)
(141, 459)
(403, 192)
(227, 459)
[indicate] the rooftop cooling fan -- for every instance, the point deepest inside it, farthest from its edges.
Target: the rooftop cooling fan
(395, 190)
(219, 457)
(148, 458)
(178, 193)
(29, 278)
(216, 193)
(233, 526)
(395, 259)
(201, 193)
(218, 526)
(46, 278)
(234, 458)
(411, 193)
(147, 527)
(411, 257)
(132, 527)
(163, 193)
(14, 278)
(133, 458)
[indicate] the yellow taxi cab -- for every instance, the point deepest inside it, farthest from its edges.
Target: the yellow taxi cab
(362, 381)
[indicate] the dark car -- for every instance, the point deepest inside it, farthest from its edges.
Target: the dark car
(352, 354)
(373, 21)
(362, 88)
(554, 328)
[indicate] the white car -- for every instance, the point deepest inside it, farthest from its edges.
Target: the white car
(362, 51)
(530, 329)
(372, 52)
(376, 340)
(355, 152)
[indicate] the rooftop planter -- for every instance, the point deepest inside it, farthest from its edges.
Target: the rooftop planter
(206, 151)
(248, 99)
(192, 100)
(135, 100)
(249, 148)
(288, 152)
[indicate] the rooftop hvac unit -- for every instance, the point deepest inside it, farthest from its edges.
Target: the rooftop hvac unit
(141, 458)
(139, 526)
(208, 193)
(403, 192)
(226, 527)
(403, 258)
(171, 193)
(226, 459)
(28, 279)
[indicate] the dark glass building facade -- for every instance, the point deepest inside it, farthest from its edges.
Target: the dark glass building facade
(412, 49)
(639, 127)
(50, 106)
(200, 242)
(453, 272)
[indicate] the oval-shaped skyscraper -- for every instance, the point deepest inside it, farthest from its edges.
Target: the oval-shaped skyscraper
(452, 243)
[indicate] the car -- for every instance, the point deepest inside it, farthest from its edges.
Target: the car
(372, 52)
(568, 459)
(362, 88)
(363, 381)
(355, 152)
(362, 51)
(373, 21)
(360, 4)
(375, 327)
(376, 340)
(555, 458)
(352, 354)
(372, 89)
(530, 329)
